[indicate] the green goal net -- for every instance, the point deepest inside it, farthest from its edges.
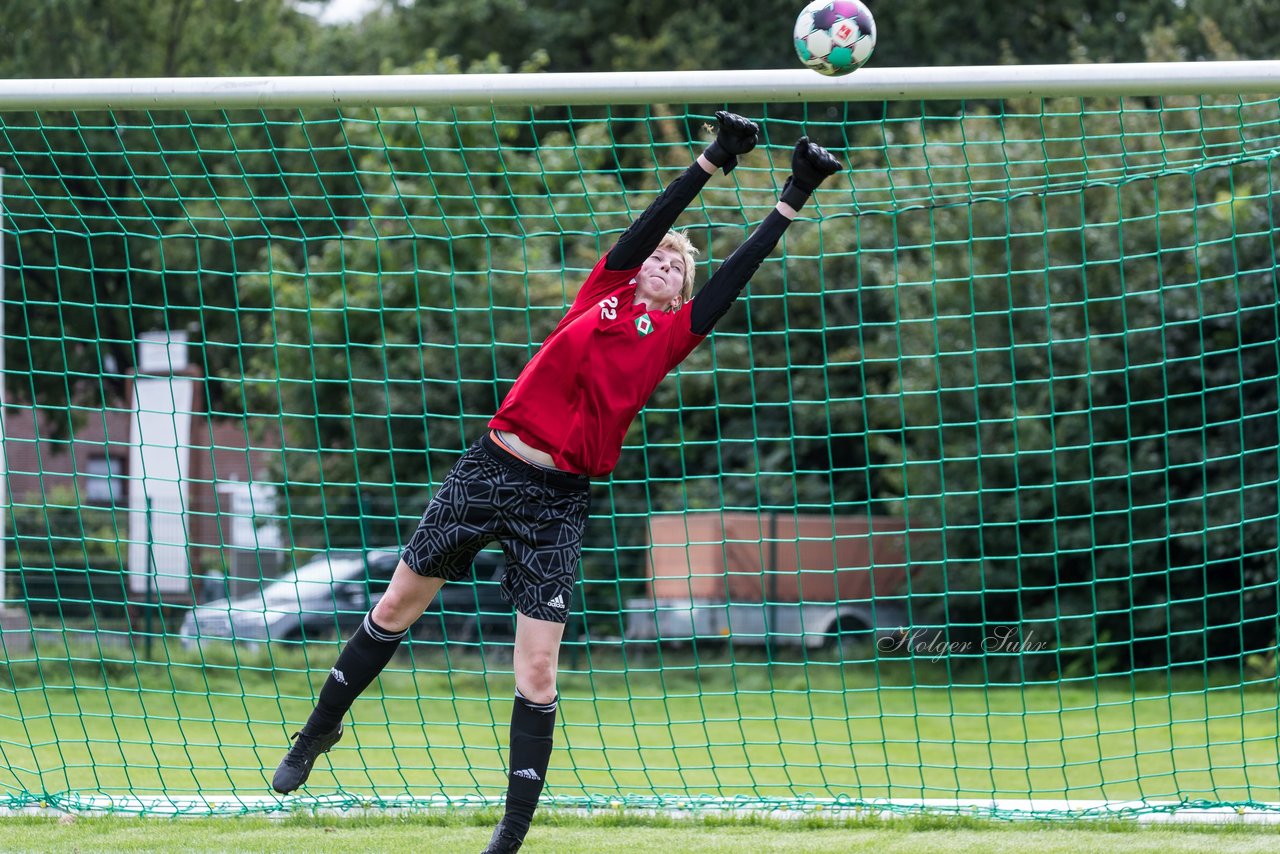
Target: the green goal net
(970, 503)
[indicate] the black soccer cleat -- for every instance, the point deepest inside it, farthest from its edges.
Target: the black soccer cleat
(505, 840)
(295, 768)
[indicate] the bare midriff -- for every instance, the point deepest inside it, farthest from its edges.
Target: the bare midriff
(517, 447)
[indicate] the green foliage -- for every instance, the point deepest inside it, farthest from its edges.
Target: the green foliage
(665, 34)
(153, 38)
(68, 558)
(1096, 442)
(1050, 337)
(61, 531)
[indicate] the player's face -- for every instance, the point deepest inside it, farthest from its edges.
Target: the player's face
(661, 278)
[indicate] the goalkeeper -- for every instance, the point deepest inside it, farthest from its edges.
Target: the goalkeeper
(525, 482)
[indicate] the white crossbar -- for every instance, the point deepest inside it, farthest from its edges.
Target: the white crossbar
(773, 86)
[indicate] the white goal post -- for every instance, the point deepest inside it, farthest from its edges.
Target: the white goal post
(775, 85)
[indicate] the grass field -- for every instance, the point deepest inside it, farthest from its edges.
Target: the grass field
(567, 835)
(97, 723)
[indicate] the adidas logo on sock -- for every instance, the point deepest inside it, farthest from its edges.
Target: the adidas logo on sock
(528, 774)
(557, 602)
(337, 674)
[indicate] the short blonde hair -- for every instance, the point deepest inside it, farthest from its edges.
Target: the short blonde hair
(676, 241)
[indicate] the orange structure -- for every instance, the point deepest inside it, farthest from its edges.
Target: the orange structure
(739, 556)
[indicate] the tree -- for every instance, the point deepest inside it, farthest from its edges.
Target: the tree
(1087, 383)
(157, 38)
(663, 35)
(105, 208)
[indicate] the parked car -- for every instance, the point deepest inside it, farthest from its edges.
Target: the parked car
(851, 627)
(329, 596)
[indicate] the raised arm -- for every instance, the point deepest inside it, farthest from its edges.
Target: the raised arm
(735, 136)
(810, 166)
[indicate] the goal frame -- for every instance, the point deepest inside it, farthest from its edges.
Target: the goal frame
(693, 87)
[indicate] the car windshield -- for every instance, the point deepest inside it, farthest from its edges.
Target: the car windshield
(312, 580)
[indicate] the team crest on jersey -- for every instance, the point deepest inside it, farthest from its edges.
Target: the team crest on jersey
(644, 325)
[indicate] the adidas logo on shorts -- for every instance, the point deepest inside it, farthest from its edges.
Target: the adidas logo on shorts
(528, 774)
(557, 602)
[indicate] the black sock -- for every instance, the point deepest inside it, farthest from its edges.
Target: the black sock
(532, 727)
(366, 653)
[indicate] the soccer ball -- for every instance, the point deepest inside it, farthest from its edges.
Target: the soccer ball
(835, 37)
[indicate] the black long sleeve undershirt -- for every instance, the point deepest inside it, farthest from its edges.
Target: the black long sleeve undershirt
(642, 237)
(720, 291)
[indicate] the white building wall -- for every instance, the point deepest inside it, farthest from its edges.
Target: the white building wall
(159, 467)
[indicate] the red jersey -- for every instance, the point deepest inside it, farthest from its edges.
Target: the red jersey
(580, 392)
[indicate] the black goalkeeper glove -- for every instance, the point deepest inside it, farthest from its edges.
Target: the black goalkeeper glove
(810, 166)
(735, 136)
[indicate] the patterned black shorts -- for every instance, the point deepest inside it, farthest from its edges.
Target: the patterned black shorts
(537, 515)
